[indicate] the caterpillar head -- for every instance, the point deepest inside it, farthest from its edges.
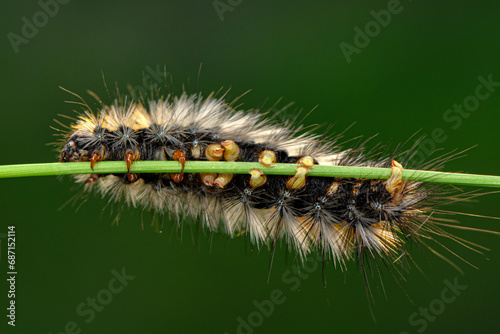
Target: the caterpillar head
(74, 150)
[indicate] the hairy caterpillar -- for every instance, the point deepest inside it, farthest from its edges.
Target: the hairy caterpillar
(341, 218)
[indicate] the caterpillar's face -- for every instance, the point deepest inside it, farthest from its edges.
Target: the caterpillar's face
(74, 150)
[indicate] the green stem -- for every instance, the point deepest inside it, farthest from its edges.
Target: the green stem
(106, 167)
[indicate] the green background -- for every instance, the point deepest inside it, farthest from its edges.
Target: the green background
(427, 59)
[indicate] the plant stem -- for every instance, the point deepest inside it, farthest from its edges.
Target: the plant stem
(107, 167)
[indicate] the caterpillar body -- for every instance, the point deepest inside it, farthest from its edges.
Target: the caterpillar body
(341, 218)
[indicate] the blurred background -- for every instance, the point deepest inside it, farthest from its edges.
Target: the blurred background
(391, 67)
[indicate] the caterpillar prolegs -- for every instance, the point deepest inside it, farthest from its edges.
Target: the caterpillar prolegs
(341, 218)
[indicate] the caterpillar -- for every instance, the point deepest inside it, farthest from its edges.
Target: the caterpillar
(341, 219)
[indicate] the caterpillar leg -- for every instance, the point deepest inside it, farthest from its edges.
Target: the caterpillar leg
(208, 178)
(96, 156)
(306, 161)
(299, 179)
(231, 150)
(257, 178)
(223, 179)
(267, 158)
(214, 152)
(130, 157)
(132, 177)
(92, 178)
(177, 177)
(181, 157)
(395, 184)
